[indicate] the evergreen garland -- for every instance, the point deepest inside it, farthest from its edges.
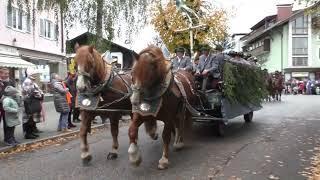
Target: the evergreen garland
(243, 84)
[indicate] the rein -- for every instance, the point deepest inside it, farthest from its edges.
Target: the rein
(107, 85)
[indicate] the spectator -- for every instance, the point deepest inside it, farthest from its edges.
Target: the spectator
(71, 84)
(32, 112)
(60, 101)
(11, 109)
(4, 82)
(308, 87)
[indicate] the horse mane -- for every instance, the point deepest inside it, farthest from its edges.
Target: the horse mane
(150, 68)
(91, 60)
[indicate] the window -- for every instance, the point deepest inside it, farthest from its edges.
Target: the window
(300, 46)
(48, 29)
(300, 25)
(300, 61)
(17, 19)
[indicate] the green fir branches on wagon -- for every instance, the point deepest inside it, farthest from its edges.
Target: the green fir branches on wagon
(243, 84)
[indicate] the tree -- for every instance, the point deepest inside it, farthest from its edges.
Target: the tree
(101, 17)
(167, 19)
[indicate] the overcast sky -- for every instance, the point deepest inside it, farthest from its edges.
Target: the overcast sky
(245, 14)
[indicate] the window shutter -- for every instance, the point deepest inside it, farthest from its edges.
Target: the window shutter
(28, 19)
(24, 22)
(41, 27)
(14, 18)
(9, 16)
(52, 29)
(56, 32)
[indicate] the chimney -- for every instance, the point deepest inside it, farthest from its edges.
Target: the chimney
(284, 11)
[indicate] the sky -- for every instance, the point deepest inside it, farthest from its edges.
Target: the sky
(245, 14)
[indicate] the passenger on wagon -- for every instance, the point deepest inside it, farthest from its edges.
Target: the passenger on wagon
(181, 61)
(207, 69)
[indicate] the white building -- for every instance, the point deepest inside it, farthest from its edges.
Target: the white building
(237, 44)
(41, 44)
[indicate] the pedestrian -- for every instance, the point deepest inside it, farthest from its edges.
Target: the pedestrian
(32, 97)
(308, 87)
(5, 81)
(11, 109)
(74, 112)
(60, 101)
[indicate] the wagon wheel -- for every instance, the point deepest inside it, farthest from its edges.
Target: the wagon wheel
(220, 129)
(248, 117)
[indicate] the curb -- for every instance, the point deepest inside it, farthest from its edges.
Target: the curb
(10, 148)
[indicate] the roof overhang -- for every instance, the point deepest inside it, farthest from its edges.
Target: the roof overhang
(14, 62)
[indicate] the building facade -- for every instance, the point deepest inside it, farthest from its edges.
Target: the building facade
(40, 43)
(236, 42)
(287, 42)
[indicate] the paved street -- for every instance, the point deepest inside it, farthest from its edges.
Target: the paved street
(277, 145)
(49, 127)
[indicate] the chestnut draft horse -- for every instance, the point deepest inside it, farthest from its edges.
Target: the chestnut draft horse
(278, 85)
(151, 71)
(99, 79)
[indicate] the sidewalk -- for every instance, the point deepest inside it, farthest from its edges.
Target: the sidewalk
(49, 127)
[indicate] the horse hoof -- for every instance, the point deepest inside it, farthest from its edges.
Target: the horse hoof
(86, 160)
(112, 156)
(155, 136)
(163, 164)
(137, 162)
(178, 146)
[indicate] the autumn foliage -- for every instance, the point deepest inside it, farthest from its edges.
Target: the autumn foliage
(166, 19)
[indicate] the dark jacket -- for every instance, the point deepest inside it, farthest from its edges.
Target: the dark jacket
(59, 97)
(71, 84)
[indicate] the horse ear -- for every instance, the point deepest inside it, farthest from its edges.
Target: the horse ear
(91, 49)
(76, 47)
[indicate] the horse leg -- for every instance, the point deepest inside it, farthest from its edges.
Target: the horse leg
(84, 130)
(166, 137)
(114, 121)
(151, 128)
(134, 152)
(181, 122)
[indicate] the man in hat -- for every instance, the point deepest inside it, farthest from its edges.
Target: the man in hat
(181, 61)
(207, 68)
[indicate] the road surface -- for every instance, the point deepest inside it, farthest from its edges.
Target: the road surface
(277, 145)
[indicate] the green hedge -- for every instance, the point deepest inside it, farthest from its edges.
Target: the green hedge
(243, 84)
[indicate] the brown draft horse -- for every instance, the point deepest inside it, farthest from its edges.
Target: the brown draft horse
(93, 70)
(278, 85)
(149, 71)
(274, 83)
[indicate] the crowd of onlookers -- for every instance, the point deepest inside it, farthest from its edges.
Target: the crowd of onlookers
(307, 87)
(27, 97)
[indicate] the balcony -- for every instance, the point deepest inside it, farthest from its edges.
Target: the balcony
(263, 48)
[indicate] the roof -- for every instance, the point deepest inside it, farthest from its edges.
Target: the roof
(239, 34)
(262, 22)
(277, 24)
(14, 61)
(82, 40)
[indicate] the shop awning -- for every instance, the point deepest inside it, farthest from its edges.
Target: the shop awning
(14, 61)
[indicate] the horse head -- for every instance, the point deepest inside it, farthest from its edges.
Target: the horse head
(150, 68)
(91, 67)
